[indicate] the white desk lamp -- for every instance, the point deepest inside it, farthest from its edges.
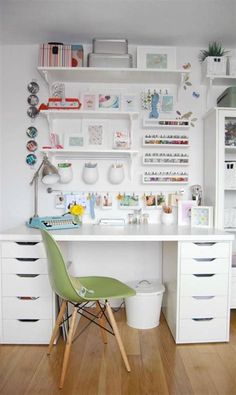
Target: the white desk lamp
(49, 174)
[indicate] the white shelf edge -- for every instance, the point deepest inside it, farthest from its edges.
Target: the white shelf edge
(88, 114)
(166, 182)
(89, 152)
(167, 145)
(165, 164)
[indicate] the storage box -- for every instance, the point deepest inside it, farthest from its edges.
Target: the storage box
(107, 60)
(214, 65)
(227, 98)
(110, 46)
(63, 104)
(230, 174)
(231, 65)
(77, 54)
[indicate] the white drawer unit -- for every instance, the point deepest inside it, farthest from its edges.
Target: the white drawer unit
(28, 303)
(233, 288)
(200, 282)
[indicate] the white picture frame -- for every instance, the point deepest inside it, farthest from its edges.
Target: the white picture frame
(184, 211)
(74, 141)
(157, 58)
(89, 101)
(94, 133)
(167, 103)
(129, 201)
(109, 102)
(202, 217)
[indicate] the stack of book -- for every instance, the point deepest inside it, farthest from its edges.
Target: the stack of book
(60, 55)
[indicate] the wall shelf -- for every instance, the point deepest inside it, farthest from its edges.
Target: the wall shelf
(112, 75)
(217, 80)
(165, 123)
(80, 114)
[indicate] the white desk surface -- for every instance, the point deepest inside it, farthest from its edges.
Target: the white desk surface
(150, 232)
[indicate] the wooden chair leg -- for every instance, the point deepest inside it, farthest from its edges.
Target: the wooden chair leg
(68, 346)
(57, 325)
(117, 336)
(102, 322)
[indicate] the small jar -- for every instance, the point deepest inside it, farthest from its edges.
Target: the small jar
(65, 172)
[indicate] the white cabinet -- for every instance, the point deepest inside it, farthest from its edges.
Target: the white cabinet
(196, 303)
(28, 303)
(219, 169)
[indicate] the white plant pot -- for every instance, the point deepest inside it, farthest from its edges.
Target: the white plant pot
(116, 174)
(90, 173)
(214, 65)
(65, 172)
(167, 218)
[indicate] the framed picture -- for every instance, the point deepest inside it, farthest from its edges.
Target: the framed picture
(160, 58)
(121, 139)
(202, 217)
(89, 101)
(94, 133)
(109, 102)
(129, 201)
(74, 140)
(106, 201)
(167, 103)
(173, 199)
(129, 102)
(184, 211)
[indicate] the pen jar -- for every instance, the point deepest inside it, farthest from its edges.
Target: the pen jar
(65, 172)
(90, 173)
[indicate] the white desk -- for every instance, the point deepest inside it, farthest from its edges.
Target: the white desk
(196, 274)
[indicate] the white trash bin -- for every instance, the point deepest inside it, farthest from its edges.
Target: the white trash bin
(143, 310)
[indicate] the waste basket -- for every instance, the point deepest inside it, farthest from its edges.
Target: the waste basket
(143, 310)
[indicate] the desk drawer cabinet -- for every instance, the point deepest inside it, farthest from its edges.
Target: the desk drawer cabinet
(28, 305)
(203, 301)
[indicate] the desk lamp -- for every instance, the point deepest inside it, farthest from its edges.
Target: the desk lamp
(50, 175)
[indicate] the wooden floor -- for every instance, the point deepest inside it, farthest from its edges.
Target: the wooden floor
(158, 365)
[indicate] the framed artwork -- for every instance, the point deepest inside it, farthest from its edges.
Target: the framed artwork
(167, 103)
(160, 58)
(94, 132)
(106, 201)
(89, 102)
(109, 102)
(129, 102)
(184, 211)
(129, 201)
(74, 140)
(121, 139)
(202, 217)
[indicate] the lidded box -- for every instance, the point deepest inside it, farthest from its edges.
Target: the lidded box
(110, 46)
(109, 60)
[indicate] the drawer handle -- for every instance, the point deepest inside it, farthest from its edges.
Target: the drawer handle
(28, 297)
(203, 319)
(28, 275)
(204, 259)
(27, 320)
(27, 243)
(206, 244)
(203, 297)
(204, 275)
(27, 259)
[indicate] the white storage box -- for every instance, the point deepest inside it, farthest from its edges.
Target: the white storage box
(232, 65)
(110, 46)
(214, 65)
(143, 310)
(230, 174)
(107, 60)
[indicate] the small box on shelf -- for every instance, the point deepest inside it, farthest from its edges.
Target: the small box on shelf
(214, 65)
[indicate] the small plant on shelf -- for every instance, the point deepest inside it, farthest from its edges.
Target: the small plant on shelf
(214, 49)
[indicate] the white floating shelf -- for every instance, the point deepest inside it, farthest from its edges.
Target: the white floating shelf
(80, 114)
(165, 164)
(220, 80)
(230, 148)
(166, 145)
(112, 75)
(165, 182)
(78, 153)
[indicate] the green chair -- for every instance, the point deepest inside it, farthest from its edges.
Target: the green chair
(79, 291)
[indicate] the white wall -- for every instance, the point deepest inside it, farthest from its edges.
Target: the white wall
(18, 195)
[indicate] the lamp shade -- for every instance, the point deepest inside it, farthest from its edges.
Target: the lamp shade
(50, 173)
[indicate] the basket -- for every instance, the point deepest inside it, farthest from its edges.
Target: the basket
(214, 65)
(230, 174)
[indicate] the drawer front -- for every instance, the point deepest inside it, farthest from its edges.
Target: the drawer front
(22, 308)
(24, 265)
(205, 265)
(209, 330)
(209, 285)
(12, 249)
(203, 306)
(205, 250)
(27, 332)
(16, 285)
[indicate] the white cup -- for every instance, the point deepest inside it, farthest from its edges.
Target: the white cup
(167, 218)
(90, 173)
(116, 173)
(65, 172)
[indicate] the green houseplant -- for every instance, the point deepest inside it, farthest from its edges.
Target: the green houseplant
(214, 49)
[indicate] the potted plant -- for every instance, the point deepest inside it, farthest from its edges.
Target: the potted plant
(213, 59)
